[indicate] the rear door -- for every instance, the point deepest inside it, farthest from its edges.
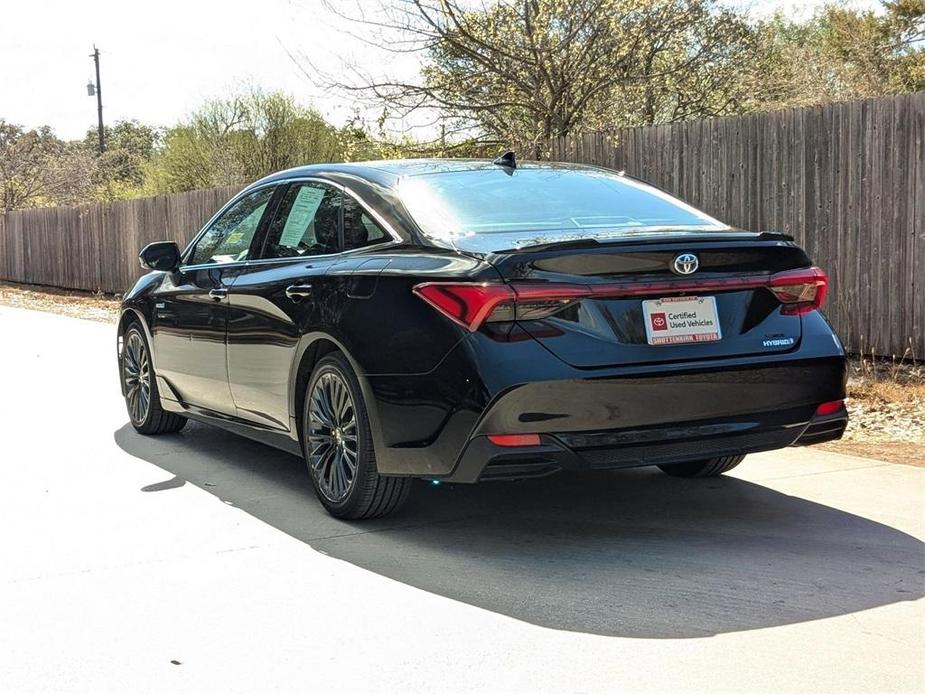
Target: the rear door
(283, 294)
(637, 314)
(191, 307)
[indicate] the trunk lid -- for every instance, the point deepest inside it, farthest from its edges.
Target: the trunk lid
(612, 325)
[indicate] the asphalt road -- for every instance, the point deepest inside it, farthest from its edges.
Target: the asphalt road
(202, 562)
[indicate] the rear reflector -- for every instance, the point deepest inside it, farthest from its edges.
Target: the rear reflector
(830, 407)
(515, 439)
(470, 304)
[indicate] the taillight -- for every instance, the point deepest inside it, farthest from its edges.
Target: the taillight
(467, 304)
(801, 291)
(470, 305)
(533, 302)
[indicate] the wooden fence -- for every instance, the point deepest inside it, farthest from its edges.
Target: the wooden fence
(95, 247)
(846, 180)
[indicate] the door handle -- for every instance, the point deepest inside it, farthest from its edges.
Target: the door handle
(298, 291)
(218, 294)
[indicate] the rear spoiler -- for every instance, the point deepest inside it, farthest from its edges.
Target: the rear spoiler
(573, 244)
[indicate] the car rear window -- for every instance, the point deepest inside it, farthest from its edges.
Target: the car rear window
(543, 203)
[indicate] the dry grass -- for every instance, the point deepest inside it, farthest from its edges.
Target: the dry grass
(886, 405)
(98, 307)
(886, 397)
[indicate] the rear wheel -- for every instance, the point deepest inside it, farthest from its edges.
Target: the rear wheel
(710, 467)
(338, 446)
(140, 388)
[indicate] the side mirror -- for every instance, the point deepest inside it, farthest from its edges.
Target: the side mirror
(160, 255)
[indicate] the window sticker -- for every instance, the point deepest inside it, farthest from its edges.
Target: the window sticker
(301, 215)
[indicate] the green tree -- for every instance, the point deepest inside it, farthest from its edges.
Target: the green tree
(842, 53)
(240, 139)
(120, 170)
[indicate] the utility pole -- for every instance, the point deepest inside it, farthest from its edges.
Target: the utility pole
(99, 97)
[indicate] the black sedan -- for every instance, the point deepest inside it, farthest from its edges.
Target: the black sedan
(466, 321)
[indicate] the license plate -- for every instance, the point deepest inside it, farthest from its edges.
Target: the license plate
(681, 319)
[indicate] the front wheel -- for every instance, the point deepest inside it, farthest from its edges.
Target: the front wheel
(140, 388)
(338, 446)
(711, 467)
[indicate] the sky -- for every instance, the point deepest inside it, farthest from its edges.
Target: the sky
(161, 60)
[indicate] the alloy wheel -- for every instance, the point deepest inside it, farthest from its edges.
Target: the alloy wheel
(136, 373)
(333, 440)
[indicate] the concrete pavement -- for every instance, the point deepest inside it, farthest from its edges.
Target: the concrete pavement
(202, 562)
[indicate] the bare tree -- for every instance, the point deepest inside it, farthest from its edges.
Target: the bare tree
(36, 168)
(522, 71)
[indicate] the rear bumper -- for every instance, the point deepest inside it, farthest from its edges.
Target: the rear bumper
(633, 401)
(661, 445)
(435, 425)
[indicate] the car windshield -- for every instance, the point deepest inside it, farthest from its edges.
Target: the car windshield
(530, 206)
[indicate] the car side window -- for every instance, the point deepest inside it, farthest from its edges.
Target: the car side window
(229, 238)
(307, 222)
(359, 227)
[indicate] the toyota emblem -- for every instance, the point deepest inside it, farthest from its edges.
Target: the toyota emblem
(685, 264)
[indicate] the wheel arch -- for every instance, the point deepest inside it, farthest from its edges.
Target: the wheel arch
(312, 348)
(131, 314)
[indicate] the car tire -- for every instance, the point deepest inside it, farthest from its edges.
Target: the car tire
(335, 434)
(711, 467)
(139, 387)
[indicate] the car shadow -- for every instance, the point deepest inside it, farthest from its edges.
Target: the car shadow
(632, 553)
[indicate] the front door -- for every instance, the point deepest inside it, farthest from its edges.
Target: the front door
(191, 308)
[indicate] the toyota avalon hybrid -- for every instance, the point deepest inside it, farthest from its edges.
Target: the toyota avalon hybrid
(469, 320)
